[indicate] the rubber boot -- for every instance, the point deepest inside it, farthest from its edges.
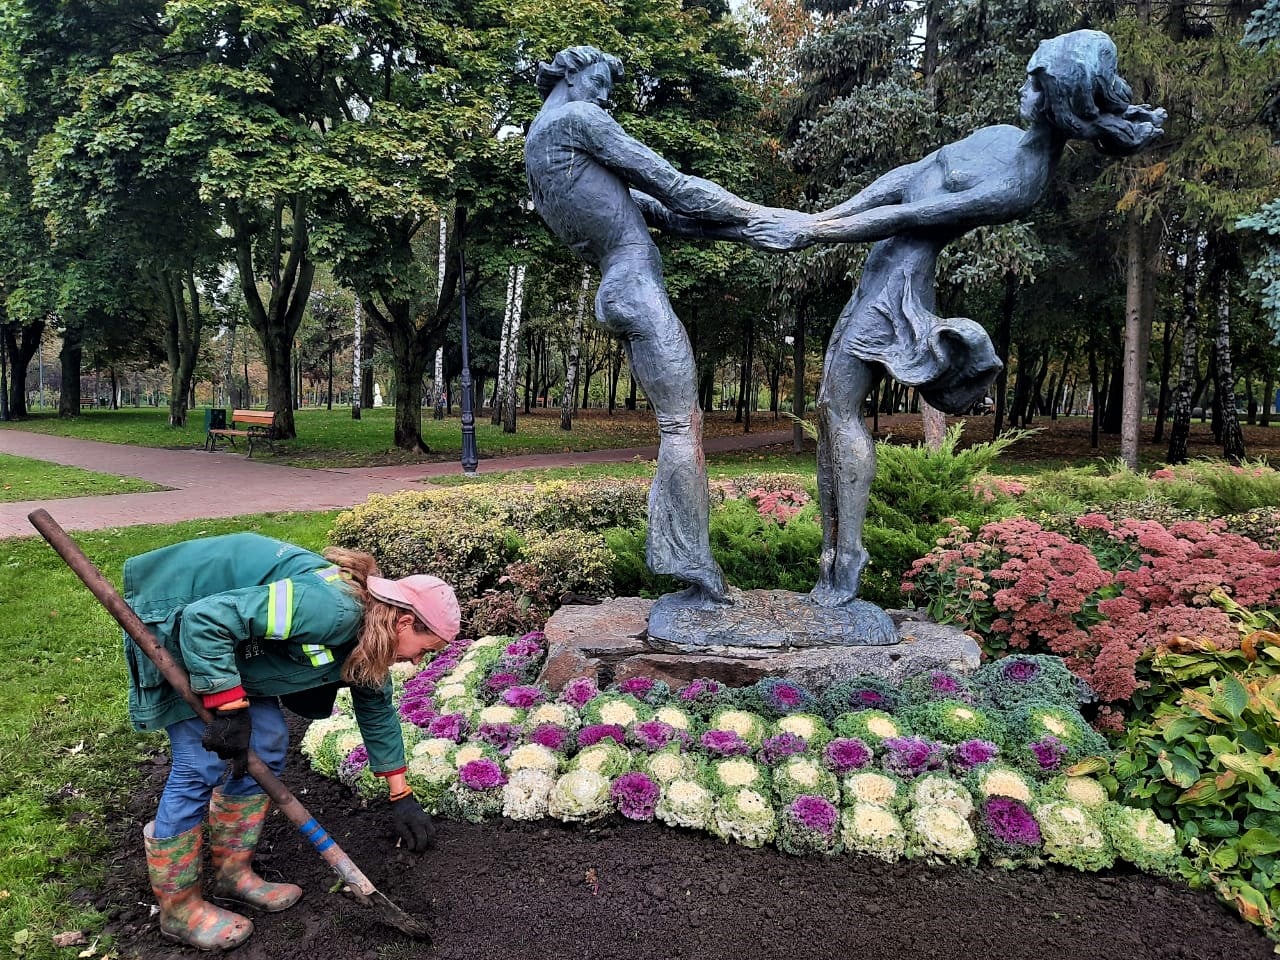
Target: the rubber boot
(174, 866)
(235, 826)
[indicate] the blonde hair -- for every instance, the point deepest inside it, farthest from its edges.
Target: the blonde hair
(375, 652)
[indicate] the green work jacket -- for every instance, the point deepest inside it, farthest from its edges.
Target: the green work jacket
(244, 611)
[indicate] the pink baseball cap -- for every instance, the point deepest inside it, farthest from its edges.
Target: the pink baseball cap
(430, 598)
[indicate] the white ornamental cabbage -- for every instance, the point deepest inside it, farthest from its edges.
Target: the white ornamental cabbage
(674, 717)
(935, 791)
(526, 794)
(533, 756)
(869, 787)
(499, 713)
(579, 795)
(938, 831)
(744, 816)
(873, 829)
(685, 803)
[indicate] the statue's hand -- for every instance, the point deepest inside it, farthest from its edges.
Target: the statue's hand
(779, 231)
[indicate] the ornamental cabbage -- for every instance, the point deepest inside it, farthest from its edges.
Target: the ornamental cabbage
(580, 794)
(874, 830)
(744, 816)
(685, 803)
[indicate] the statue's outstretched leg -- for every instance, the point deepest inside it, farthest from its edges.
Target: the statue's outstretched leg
(846, 467)
(633, 302)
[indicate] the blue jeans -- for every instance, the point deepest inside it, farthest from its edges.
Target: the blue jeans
(195, 771)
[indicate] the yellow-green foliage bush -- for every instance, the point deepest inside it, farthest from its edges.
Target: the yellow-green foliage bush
(509, 552)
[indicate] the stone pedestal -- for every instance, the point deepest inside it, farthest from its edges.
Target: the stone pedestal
(610, 641)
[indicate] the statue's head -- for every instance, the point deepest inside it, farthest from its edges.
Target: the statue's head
(590, 74)
(1073, 83)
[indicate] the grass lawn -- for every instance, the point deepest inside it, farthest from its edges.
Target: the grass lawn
(67, 755)
(23, 479)
(333, 439)
(718, 465)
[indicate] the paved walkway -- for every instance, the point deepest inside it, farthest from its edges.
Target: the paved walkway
(206, 485)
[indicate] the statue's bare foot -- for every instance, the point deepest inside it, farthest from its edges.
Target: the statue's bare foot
(828, 594)
(706, 587)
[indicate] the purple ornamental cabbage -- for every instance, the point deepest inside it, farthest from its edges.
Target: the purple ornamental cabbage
(846, 754)
(579, 691)
(638, 687)
(635, 795)
(451, 726)
(523, 696)
(776, 749)
(549, 735)
(500, 681)
(909, 757)
(482, 774)
(503, 737)
(601, 731)
(1010, 822)
(653, 735)
(1049, 753)
(725, 743)
(972, 753)
(1019, 670)
(817, 814)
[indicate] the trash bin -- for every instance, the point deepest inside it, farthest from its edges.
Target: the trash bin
(215, 418)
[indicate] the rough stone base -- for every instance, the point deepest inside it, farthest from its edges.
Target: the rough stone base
(609, 642)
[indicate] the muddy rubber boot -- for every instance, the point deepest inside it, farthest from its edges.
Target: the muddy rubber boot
(174, 866)
(235, 825)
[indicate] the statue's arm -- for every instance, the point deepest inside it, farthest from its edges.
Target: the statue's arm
(996, 202)
(645, 170)
(886, 189)
(668, 221)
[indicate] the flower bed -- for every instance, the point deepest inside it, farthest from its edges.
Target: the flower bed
(942, 768)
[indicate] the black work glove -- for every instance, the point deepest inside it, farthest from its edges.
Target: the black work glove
(413, 825)
(227, 735)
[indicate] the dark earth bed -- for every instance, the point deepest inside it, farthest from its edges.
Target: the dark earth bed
(618, 889)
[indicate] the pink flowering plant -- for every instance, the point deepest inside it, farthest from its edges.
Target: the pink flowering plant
(1100, 599)
(778, 505)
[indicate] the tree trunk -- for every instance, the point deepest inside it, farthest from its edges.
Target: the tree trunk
(70, 358)
(746, 402)
(798, 402)
(1111, 413)
(1004, 335)
(1096, 394)
(20, 345)
(182, 336)
(935, 425)
(1131, 402)
(1166, 371)
(1232, 438)
(1268, 397)
(1180, 432)
(504, 344)
(356, 344)
(570, 393)
(513, 352)
(289, 272)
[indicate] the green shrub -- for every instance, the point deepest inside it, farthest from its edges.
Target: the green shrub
(758, 553)
(1206, 758)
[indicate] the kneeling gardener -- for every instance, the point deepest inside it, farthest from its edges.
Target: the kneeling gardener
(257, 623)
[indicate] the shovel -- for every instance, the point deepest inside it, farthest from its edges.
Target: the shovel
(357, 884)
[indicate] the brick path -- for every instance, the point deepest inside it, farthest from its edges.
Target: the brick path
(206, 485)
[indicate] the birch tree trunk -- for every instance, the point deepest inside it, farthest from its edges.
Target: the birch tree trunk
(504, 344)
(570, 392)
(1232, 437)
(437, 381)
(355, 361)
(513, 352)
(1131, 406)
(1180, 408)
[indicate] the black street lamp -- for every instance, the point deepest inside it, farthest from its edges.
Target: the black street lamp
(470, 458)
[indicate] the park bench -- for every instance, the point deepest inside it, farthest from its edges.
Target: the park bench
(87, 402)
(256, 426)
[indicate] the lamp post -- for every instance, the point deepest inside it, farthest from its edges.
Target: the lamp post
(469, 456)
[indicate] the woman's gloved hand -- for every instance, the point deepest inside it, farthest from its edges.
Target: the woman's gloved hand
(413, 824)
(227, 735)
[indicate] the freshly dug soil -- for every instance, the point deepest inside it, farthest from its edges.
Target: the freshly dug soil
(624, 890)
